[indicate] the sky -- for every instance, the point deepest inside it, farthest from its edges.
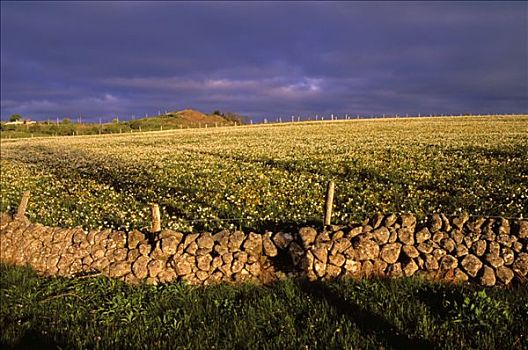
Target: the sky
(262, 59)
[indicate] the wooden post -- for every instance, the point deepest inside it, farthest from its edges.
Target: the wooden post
(156, 219)
(21, 212)
(329, 203)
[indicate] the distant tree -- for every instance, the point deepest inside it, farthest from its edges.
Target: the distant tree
(66, 121)
(217, 112)
(15, 117)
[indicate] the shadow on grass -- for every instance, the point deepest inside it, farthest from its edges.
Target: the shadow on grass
(33, 340)
(368, 322)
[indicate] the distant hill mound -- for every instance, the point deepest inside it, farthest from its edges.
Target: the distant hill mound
(187, 118)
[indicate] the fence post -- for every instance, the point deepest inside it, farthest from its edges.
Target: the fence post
(156, 219)
(21, 212)
(329, 203)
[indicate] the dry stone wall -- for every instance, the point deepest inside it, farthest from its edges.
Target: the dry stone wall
(488, 251)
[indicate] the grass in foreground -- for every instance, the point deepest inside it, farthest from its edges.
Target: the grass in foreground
(100, 313)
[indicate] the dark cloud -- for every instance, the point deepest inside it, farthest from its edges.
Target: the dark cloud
(263, 59)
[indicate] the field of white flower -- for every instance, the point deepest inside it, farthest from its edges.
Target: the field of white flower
(272, 174)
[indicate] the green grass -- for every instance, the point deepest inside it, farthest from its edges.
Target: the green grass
(100, 313)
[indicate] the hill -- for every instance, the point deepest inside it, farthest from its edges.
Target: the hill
(184, 119)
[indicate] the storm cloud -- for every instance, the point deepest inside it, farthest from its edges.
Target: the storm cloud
(270, 59)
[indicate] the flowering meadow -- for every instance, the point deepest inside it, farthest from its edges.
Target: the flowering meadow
(261, 176)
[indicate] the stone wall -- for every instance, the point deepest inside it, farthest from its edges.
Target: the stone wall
(482, 250)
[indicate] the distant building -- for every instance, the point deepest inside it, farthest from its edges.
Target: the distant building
(21, 122)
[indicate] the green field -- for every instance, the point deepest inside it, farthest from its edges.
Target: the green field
(99, 313)
(266, 177)
(260, 177)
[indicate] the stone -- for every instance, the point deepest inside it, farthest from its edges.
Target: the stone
(479, 247)
(436, 223)
(394, 270)
(220, 249)
(132, 255)
(354, 232)
(393, 237)
(425, 247)
(144, 248)
(448, 244)
(471, 264)
(282, 240)
(431, 264)
(307, 262)
(438, 237)
(366, 250)
(423, 235)
(320, 252)
(448, 262)
(494, 260)
(381, 235)
(439, 253)
(253, 244)
(376, 220)
(461, 250)
(352, 267)
(406, 235)
(296, 253)
(155, 267)
(410, 251)
(167, 276)
(378, 267)
(241, 256)
(192, 248)
(445, 220)
(494, 248)
(457, 236)
(227, 258)
(236, 239)
(237, 266)
(340, 245)
(410, 268)
(508, 256)
(216, 263)
(205, 241)
(322, 237)
(332, 271)
(517, 247)
(408, 220)
(505, 240)
(390, 252)
(117, 239)
(337, 259)
(520, 265)
(120, 254)
(204, 262)
(523, 229)
(504, 274)
(78, 236)
(254, 269)
(460, 220)
(338, 235)
(202, 275)
(169, 244)
(97, 265)
(350, 253)
(269, 248)
(190, 238)
(460, 276)
(119, 269)
(319, 268)
(98, 254)
(139, 268)
(367, 267)
(182, 268)
(504, 226)
(390, 220)
(307, 235)
(487, 276)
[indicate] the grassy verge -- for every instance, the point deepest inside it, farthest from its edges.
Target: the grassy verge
(100, 313)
